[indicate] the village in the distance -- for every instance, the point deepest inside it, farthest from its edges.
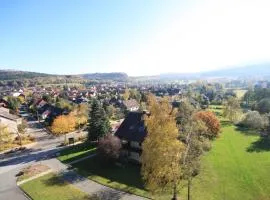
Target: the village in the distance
(134, 100)
(107, 134)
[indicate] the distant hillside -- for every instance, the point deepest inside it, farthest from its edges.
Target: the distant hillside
(106, 76)
(181, 76)
(251, 71)
(13, 75)
(245, 71)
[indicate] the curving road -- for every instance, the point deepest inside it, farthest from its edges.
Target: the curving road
(11, 164)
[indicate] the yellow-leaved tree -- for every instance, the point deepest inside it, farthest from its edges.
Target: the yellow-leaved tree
(5, 136)
(162, 150)
(81, 115)
(126, 94)
(64, 124)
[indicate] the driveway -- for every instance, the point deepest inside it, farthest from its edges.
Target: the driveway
(44, 152)
(11, 164)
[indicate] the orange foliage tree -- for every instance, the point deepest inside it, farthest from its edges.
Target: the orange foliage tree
(211, 122)
(64, 124)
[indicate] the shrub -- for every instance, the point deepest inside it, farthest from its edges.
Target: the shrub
(109, 147)
(253, 119)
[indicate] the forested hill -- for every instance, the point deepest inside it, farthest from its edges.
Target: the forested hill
(17, 75)
(106, 76)
(14, 75)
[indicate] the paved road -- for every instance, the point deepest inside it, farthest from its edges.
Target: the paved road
(44, 152)
(10, 165)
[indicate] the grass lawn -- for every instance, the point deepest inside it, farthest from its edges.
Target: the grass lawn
(237, 167)
(218, 110)
(124, 178)
(76, 152)
(50, 187)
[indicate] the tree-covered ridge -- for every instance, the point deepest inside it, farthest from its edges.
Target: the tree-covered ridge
(13, 75)
(106, 76)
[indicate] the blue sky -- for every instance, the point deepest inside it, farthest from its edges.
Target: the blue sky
(139, 37)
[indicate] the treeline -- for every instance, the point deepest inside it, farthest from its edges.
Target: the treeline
(13, 75)
(106, 76)
(41, 81)
(258, 99)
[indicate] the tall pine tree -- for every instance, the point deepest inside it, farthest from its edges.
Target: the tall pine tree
(99, 124)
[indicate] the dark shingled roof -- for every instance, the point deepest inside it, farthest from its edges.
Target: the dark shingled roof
(132, 128)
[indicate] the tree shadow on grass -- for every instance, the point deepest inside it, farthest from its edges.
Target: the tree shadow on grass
(109, 194)
(105, 193)
(55, 180)
(261, 145)
(226, 123)
(128, 175)
(246, 131)
(85, 149)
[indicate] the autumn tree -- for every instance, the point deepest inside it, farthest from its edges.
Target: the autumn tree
(161, 148)
(13, 104)
(110, 110)
(21, 130)
(232, 109)
(192, 135)
(135, 94)
(21, 99)
(5, 136)
(99, 124)
(211, 122)
(63, 124)
(81, 114)
(191, 132)
(64, 104)
(22, 127)
(185, 111)
(126, 94)
(109, 147)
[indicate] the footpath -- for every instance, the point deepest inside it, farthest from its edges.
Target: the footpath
(88, 186)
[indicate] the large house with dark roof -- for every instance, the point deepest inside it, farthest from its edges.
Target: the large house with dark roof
(132, 133)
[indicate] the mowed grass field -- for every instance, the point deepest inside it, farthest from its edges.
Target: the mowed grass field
(51, 187)
(76, 152)
(236, 168)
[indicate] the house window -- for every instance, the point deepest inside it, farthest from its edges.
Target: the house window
(124, 141)
(135, 144)
(134, 156)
